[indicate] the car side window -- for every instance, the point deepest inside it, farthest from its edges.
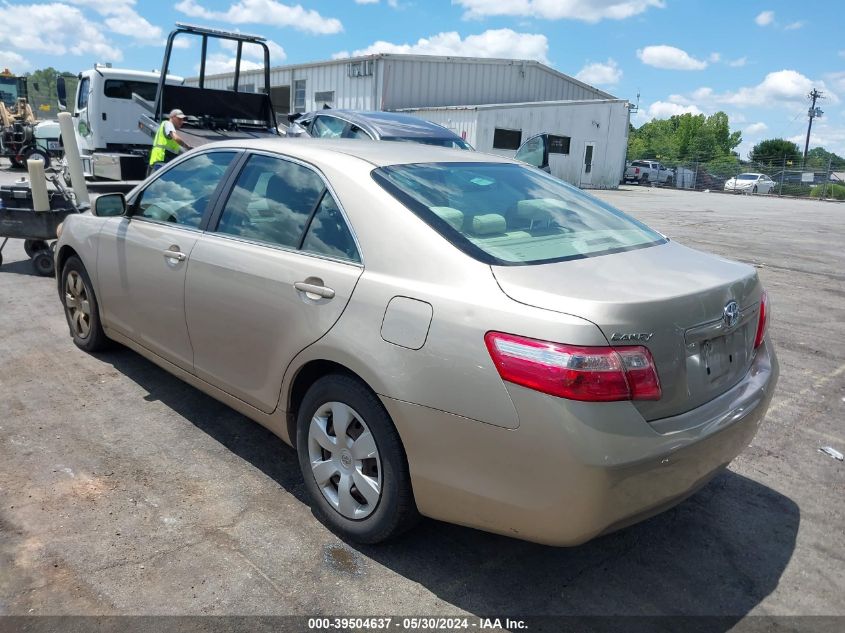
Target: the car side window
(271, 201)
(327, 127)
(181, 194)
(328, 233)
(355, 132)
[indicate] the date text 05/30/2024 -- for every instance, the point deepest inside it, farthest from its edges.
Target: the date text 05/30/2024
(414, 623)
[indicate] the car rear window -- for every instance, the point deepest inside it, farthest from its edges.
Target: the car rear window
(454, 143)
(508, 214)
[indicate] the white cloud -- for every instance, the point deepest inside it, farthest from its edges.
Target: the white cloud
(669, 57)
(217, 63)
(755, 129)
(13, 61)
(665, 109)
(584, 10)
(792, 26)
(493, 43)
(255, 52)
(775, 89)
(266, 12)
(737, 63)
(122, 19)
(600, 74)
(366, 1)
(56, 29)
(765, 18)
(714, 58)
(842, 53)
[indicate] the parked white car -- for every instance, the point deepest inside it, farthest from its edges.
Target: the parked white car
(750, 183)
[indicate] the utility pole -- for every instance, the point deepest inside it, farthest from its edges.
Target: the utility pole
(812, 114)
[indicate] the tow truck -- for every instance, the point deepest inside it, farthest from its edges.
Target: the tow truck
(119, 111)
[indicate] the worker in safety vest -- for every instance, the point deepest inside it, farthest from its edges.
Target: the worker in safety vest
(167, 143)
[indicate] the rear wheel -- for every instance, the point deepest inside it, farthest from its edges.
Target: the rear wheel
(43, 262)
(352, 461)
(644, 179)
(81, 310)
(33, 246)
(38, 154)
(754, 189)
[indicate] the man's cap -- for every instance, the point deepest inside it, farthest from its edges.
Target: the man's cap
(176, 112)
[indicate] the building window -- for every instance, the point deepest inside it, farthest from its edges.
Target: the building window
(299, 95)
(558, 144)
(364, 68)
(323, 98)
(507, 139)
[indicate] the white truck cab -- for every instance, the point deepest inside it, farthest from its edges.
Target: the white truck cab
(106, 121)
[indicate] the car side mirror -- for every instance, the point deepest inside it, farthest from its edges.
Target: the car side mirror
(110, 205)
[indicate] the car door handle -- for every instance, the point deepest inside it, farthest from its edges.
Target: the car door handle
(312, 289)
(177, 255)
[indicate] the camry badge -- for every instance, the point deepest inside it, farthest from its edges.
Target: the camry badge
(633, 336)
(730, 315)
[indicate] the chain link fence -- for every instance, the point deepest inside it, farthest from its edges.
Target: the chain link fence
(777, 175)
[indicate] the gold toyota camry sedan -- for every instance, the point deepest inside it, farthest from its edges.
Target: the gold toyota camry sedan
(456, 336)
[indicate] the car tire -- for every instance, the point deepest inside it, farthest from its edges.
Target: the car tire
(43, 263)
(83, 320)
(31, 247)
(644, 180)
(383, 507)
(37, 152)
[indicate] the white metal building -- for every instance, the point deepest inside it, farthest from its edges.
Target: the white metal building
(590, 137)
(526, 97)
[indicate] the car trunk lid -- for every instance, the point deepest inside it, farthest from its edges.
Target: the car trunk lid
(669, 298)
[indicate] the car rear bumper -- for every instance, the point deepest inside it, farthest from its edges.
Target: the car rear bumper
(572, 470)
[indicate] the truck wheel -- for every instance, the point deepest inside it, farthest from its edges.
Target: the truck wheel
(37, 153)
(33, 246)
(644, 179)
(43, 263)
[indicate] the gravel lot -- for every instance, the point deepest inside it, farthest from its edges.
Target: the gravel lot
(124, 491)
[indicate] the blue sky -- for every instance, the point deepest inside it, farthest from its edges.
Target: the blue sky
(754, 60)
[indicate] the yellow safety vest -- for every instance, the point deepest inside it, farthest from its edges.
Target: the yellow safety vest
(162, 145)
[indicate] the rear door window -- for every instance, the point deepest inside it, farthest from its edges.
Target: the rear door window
(272, 201)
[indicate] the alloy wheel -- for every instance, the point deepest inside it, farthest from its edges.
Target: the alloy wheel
(77, 304)
(345, 460)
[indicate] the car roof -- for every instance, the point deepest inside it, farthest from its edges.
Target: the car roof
(386, 124)
(376, 153)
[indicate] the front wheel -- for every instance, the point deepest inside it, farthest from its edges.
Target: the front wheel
(754, 189)
(81, 310)
(353, 462)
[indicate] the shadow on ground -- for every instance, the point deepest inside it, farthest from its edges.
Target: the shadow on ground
(718, 554)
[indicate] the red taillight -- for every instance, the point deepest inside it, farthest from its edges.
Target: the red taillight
(763, 320)
(593, 374)
(636, 170)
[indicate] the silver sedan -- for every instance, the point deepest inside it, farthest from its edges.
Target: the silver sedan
(456, 336)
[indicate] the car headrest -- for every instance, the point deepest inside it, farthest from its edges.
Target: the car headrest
(489, 224)
(452, 217)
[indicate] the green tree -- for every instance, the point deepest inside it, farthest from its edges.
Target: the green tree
(684, 137)
(818, 157)
(41, 85)
(774, 151)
